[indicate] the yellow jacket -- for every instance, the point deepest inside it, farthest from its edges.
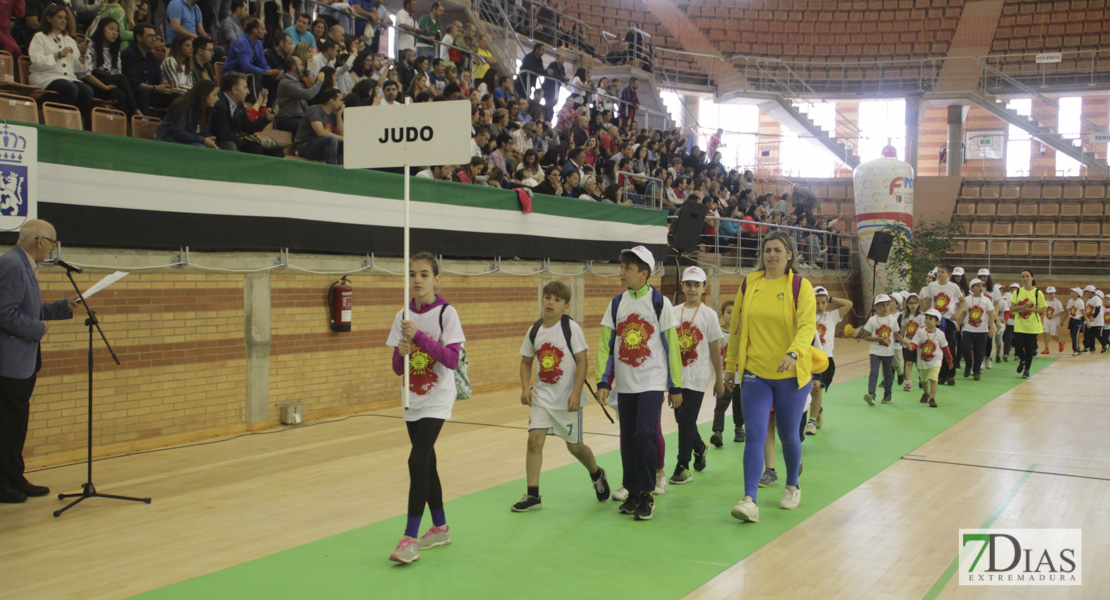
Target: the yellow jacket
(801, 322)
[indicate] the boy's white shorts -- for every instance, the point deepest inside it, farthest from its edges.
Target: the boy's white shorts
(562, 423)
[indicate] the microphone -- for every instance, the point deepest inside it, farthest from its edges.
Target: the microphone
(63, 264)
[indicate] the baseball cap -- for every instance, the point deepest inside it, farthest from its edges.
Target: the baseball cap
(984, 272)
(881, 298)
(1050, 290)
(910, 295)
(975, 282)
(693, 274)
(933, 272)
(958, 271)
(820, 291)
(1099, 294)
(932, 312)
(1090, 288)
(1014, 286)
(1078, 292)
(643, 254)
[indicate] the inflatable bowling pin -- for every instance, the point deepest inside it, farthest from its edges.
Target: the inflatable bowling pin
(884, 197)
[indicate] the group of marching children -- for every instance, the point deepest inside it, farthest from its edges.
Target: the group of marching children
(652, 353)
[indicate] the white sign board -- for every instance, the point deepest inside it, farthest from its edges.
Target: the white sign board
(1100, 138)
(19, 156)
(428, 133)
(1049, 57)
(985, 145)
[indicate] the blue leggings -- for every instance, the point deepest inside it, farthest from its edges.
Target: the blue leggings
(759, 396)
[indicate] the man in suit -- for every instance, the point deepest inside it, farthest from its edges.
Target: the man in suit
(23, 318)
(229, 117)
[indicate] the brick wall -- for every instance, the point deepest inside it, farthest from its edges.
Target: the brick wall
(181, 339)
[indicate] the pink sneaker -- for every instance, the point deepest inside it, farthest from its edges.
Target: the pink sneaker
(406, 551)
(436, 536)
(908, 386)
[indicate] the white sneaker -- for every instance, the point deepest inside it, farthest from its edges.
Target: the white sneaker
(620, 495)
(989, 363)
(436, 536)
(406, 551)
(811, 427)
(660, 483)
(791, 498)
(869, 399)
(746, 510)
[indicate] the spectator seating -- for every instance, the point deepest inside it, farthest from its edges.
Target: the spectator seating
(61, 115)
(110, 121)
(1075, 28)
(144, 127)
(18, 108)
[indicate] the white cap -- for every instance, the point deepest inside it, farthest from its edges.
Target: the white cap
(1078, 292)
(1006, 296)
(933, 272)
(881, 298)
(643, 254)
(693, 274)
(984, 272)
(932, 312)
(975, 282)
(910, 295)
(1050, 290)
(958, 271)
(820, 291)
(1014, 286)
(1090, 288)
(1100, 294)
(899, 296)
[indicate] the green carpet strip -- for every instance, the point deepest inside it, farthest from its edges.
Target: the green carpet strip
(576, 547)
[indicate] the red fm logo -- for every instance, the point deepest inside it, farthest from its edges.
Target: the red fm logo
(905, 183)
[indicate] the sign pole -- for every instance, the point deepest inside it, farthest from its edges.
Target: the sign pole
(405, 300)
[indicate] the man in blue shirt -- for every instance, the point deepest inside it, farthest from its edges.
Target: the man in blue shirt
(299, 31)
(247, 56)
(184, 18)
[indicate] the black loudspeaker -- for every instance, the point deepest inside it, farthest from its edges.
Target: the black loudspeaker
(688, 226)
(880, 247)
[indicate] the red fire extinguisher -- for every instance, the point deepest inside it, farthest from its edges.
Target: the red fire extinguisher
(340, 295)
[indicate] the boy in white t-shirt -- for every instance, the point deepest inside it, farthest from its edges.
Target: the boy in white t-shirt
(1075, 310)
(639, 360)
(699, 342)
(932, 350)
(976, 318)
(830, 311)
(557, 398)
(1053, 310)
(946, 297)
(882, 331)
(1092, 312)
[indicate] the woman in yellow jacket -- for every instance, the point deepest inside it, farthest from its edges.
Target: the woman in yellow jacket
(770, 342)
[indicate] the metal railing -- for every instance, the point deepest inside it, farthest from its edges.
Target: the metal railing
(1047, 255)
(653, 188)
(1075, 68)
(827, 251)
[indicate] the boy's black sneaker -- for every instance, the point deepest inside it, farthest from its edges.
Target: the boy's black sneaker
(628, 507)
(887, 399)
(976, 377)
(740, 436)
(601, 486)
(699, 459)
(527, 503)
(716, 439)
(1021, 367)
(645, 508)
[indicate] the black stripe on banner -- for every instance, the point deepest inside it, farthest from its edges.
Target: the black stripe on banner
(129, 228)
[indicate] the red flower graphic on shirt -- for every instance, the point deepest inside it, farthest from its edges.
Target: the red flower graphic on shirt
(928, 350)
(550, 358)
(422, 371)
(1023, 308)
(634, 334)
(1007, 315)
(975, 316)
(689, 337)
(1089, 312)
(941, 302)
(911, 329)
(1049, 313)
(821, 329)
(883, 333)
(1073, 312)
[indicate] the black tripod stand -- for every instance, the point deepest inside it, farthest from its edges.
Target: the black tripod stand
(88, 490)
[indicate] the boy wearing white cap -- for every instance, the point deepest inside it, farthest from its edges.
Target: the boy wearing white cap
(947, 298)
(1075, 309)
(994, 292)
(977, 319)
(1052, 319)
(1008, 318)
(827, 320)
(1092, 313)
(932, 350)
(699, 343)
(638, 359)
(882, 331)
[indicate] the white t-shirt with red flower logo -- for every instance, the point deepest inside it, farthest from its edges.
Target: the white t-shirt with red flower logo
(554, 366)
(826, 330)
(432, 389)
(1075, 309)
(977, 314)
(883, 327)
(944, 298)
(911, 325)
(695, 333)
(930, 347)
(639, 360)
(1053, 311)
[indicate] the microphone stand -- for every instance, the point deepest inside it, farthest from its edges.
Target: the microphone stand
(88, 490)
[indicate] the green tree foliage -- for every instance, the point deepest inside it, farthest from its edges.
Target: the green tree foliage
(912, 257)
